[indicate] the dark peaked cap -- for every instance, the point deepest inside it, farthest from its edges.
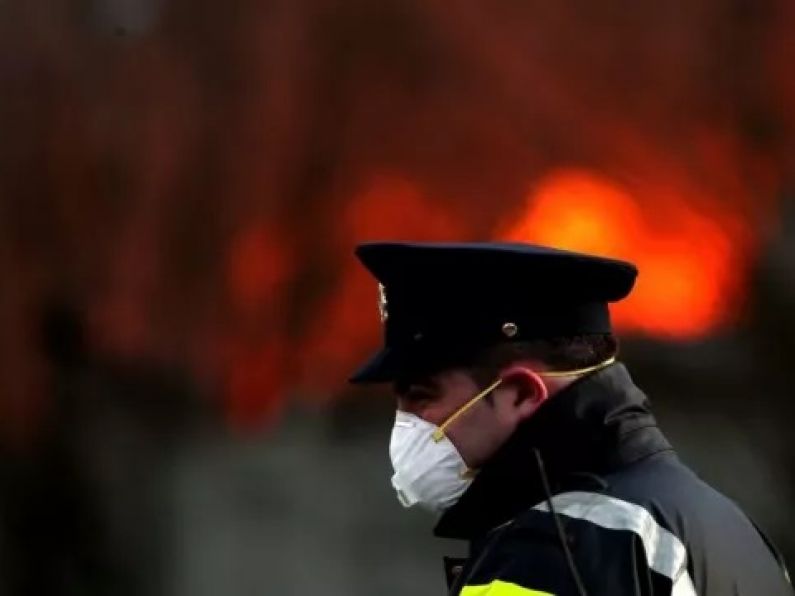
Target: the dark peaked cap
(439, 301)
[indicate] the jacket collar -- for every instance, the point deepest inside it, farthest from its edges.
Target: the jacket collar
(596, 425)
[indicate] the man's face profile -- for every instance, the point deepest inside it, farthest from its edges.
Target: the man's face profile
(483, 428)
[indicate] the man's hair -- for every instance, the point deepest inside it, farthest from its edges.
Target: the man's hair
(557, 354)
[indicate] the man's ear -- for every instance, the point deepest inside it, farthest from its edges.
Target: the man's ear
(531, 391)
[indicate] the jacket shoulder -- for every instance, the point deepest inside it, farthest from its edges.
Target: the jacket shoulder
(726, 552)
(612, 547)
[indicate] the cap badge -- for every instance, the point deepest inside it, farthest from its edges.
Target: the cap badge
(382, 303)
(510, 329)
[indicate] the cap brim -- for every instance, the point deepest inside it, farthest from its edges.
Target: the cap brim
(380, 368)
(389, 364)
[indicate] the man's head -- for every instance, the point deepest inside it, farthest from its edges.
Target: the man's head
(476, 338)
(523, 368)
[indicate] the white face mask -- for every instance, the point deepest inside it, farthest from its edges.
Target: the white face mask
(428, 472)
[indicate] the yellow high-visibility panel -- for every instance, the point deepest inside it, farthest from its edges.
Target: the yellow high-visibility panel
(501, 588)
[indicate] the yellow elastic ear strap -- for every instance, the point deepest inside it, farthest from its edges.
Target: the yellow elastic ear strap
(579, 371)
(438, 434)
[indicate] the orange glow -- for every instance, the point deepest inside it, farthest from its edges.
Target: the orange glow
(688, 265)
(258, 266)
(578, 211)
(391, 207)
(205, 218)
(254, 392)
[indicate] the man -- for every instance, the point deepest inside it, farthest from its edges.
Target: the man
(516, 423)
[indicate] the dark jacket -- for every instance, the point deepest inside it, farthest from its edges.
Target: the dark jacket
(636, 520)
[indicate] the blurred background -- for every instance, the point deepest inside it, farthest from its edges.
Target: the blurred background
(182, 183)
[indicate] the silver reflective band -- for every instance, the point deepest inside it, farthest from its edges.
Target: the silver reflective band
(665, 553)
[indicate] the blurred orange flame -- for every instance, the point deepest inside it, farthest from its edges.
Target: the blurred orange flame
(688, 265)
(259, 267)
